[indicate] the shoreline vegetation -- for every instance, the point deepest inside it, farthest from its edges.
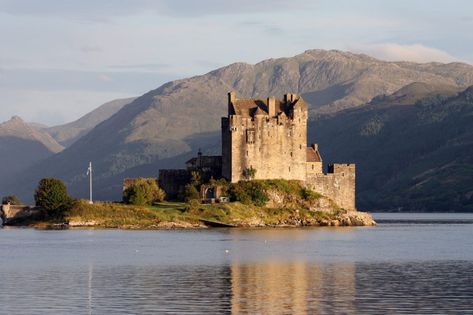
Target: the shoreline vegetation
(255, 204)
(180, 215)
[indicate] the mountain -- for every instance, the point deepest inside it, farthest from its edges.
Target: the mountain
(166, 125)
(415, 156)
(69, 133)
(22, 145)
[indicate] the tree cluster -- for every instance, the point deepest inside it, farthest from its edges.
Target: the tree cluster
(144, 191)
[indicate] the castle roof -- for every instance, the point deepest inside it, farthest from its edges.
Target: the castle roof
(300, 102)
(251, 107)
(205, 160)
(313, 155)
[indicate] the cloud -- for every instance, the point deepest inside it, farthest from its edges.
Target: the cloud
(105, 78)
(52, 107)
(90, 49)
(143, 67)
(100, 10)
(412, 52)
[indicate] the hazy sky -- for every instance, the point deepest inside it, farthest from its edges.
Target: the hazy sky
(60, 59)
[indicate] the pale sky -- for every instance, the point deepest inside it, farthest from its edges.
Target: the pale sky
(59, 59)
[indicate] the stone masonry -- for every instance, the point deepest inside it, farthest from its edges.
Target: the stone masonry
(268, 136)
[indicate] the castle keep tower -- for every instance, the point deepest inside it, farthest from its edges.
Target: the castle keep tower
(268, 136)
(267, 139)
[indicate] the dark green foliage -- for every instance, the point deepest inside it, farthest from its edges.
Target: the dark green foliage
(255, 191)
(191, 193)
(12, 199)
(223, 184)
(144, 191)
(52, 196)
(249, 192)
(134, 195)
(196, 178)
(309, 195)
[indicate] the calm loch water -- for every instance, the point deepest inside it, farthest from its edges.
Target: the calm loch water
(409, 264)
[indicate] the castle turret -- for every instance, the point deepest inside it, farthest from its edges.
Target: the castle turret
(231, 100)
(271, 101)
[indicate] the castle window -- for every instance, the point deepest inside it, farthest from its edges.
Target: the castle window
(289, 168)
(312, 166)
(291, 154)
(246, 153)
(300, 146)
(250, 136)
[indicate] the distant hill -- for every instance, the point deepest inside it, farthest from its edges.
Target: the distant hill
(165, 126)
(21, 146)
(69, 133)
(416, 156)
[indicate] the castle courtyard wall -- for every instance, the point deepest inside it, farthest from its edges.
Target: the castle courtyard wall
(173, 181)
(338, 184)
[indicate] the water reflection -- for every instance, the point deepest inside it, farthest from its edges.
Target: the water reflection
(390, 269)
(271, 287)
(295, 288)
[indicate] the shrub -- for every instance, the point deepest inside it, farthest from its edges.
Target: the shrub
(249, 173)
(12, 199)
(249, 192)
(191, 193)
(309, 194)
(223, 184)
(52, 196)
(144, 191)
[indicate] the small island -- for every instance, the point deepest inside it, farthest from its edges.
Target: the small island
(265, 177)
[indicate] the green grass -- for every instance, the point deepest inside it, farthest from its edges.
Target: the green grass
(117, 215)
(251, 208)
(109, 215)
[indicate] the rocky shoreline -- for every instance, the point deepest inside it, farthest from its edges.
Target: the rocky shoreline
(349, 219)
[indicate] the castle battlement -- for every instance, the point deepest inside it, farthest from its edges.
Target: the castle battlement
(269, 136)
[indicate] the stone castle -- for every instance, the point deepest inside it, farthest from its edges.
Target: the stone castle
(267, 139)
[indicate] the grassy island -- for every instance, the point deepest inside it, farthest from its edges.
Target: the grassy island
(269, 203)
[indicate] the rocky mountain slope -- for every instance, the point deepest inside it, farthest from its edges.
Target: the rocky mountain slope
(21, 146)
(415, 155)
(163, 127)
(68, 133)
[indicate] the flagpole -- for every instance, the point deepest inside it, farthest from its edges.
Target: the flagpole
(90, 183)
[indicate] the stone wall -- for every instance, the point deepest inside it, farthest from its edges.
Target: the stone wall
(314, 168)
(338, 184)
(173, 182)
(12, 212)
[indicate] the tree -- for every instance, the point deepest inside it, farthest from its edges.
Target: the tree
(191, 193)
(12, 199)
(144, 191)
(52, 196)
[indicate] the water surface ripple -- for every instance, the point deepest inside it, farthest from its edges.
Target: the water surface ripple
(394, 268)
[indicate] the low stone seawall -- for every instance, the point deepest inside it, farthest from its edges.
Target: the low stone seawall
(10, 213)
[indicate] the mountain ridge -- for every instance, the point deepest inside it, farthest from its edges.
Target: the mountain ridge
(164, 123)
(21, 146)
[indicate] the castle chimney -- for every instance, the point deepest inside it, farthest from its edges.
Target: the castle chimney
(271, 106)
(315, 146)
(231, 100)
